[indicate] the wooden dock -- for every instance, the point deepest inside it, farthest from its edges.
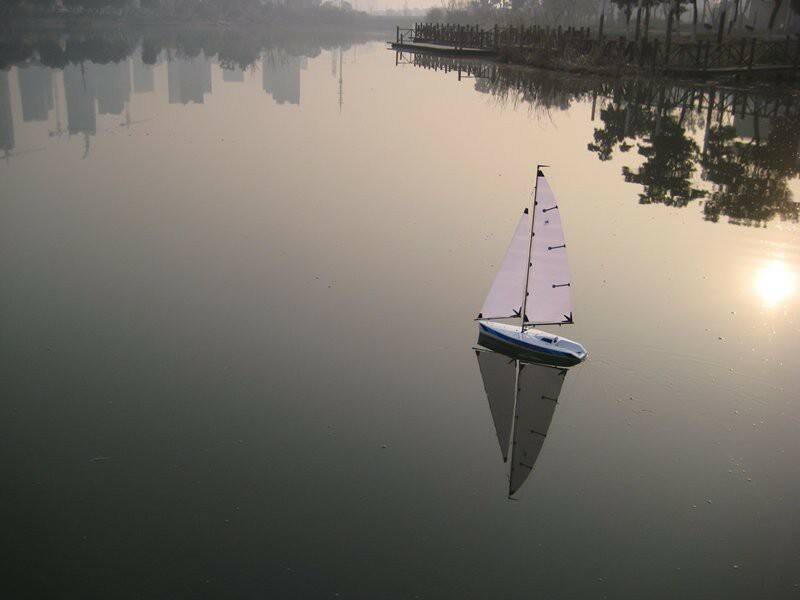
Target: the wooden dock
(444, 49)
(557, 47)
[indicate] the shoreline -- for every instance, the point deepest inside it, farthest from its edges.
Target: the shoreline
(512, 57)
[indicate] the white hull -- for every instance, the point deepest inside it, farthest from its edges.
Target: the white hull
(543, 345)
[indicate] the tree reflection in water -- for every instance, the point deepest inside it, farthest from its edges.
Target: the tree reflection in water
(733, 150)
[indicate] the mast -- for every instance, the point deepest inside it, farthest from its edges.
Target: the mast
(530, 249)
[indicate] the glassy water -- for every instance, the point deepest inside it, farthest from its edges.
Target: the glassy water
(239, 284)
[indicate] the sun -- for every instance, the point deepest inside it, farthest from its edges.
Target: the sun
(775, 282)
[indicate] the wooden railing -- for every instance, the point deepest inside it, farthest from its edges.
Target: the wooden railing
(655, 54)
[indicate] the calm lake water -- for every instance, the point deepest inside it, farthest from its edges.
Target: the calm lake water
(236, 329)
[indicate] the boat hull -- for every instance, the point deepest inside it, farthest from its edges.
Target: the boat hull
(533, 344)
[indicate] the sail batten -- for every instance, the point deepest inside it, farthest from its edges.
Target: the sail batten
(549, 285)
(505, 296)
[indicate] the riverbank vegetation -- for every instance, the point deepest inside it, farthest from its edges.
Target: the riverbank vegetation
(625, 17)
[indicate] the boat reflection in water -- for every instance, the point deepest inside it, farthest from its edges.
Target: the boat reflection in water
(522, 398)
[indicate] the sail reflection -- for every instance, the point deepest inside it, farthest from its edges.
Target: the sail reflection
(522, 399)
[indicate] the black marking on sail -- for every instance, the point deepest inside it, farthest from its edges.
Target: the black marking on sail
(480, 315)
(517, 312)
(555, 285)
(539, 173)
(525, 211)
(544, 210)
(568, 318)
(554, 247)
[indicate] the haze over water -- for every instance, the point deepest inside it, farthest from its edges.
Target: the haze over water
(237, 327)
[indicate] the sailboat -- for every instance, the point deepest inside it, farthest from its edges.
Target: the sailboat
(522, 399)
(533, 285)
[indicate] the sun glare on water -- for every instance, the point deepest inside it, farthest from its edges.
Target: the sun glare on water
(775, 282)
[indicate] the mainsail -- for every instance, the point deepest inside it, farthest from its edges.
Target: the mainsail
(505, 296)
(549, 300)
(499, 377)
(538, 389)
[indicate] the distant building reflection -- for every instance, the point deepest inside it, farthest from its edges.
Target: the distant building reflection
(143, 80)
(101, 74)
(80, 95)
(113, 81)
(281, 76)
(6, 120)
(36, 91)
(188, 79)
(233, 74)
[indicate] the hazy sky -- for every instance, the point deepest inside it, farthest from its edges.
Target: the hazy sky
(395, 4)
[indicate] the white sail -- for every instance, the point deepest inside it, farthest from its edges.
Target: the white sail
(499, 377)
(549, 298)
(538, 389)
(505, 296)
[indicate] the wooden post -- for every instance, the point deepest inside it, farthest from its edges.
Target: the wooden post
(721, 31)
(656, 43)
(788, 47)
(668, 38)
(397, 40)
(602, 21)
(638, 21)
(797, 55)
(751, 58)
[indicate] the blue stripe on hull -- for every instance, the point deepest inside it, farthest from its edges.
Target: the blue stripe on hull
(520, 343)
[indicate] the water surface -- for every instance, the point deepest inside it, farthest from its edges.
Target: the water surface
(236, 330)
